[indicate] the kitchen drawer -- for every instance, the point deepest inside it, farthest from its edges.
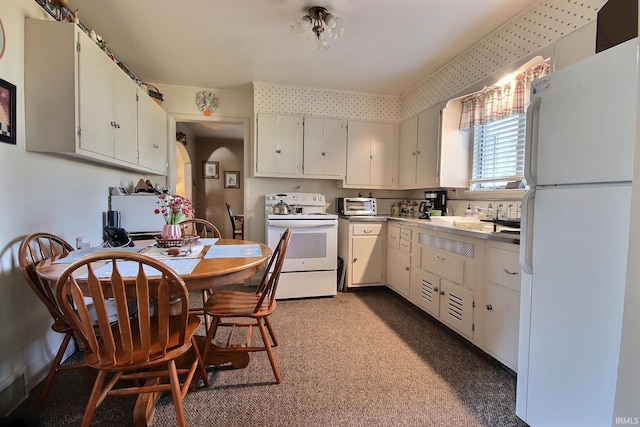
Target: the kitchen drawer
(367, 229)
(405, 233)
(444, 264)
(503, 268)
(405, 246)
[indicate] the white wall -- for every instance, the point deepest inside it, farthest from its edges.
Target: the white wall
(41, 192)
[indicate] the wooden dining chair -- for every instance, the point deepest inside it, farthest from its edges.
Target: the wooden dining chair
(237, 223)
(237, 309)
(202, 228)
(34, 249)
(199, 227)
(143, 348)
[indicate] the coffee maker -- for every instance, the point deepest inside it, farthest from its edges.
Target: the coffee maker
(434, 200)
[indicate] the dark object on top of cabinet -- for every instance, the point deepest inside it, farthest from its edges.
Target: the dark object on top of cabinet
(617, 23)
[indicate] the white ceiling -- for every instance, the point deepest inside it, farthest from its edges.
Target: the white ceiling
(387, 48)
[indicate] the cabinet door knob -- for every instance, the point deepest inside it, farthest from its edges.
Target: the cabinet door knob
(441, 292)
(324, 154)
(407, 268)
(156, 146)
(435, 289)
(489, 307)
(113, 124)
(117, 125)
(510, 272)
(278, 151)
(355, 259)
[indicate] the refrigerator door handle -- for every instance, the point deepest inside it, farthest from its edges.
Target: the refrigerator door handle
(534, 107)
(526, 231)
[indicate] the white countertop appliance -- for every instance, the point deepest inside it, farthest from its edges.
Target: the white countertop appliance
(359, 206)
(580, 148)
(310, 266)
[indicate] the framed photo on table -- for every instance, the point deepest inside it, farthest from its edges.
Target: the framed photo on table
(211, 170)
(7, 112)
(231, 179)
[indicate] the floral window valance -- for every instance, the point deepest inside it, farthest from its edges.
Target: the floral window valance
(497, 102)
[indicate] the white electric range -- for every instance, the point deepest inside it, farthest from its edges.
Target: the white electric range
(310, 266)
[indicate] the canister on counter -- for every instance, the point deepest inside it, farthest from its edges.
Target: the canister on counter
(403, 207)
(412, 209)
(395, 209)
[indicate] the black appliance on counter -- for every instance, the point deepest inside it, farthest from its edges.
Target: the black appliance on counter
(434, 200)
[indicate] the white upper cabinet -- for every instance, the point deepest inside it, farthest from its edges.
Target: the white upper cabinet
(454, 149)
(418, 150)
(152, 134)
(94, 113)
(278, 145)
(325, 147)
(408, 152)
(370, 154)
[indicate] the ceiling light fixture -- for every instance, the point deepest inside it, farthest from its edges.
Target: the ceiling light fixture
(323, 25)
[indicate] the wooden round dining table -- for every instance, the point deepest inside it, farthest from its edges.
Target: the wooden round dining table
(209, 273)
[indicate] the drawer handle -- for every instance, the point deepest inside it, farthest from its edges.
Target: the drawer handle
(367, 231)
(510, 272)
(435, 289)
(439, 258)
(489, 307)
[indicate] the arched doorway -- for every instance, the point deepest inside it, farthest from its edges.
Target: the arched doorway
(184, 177)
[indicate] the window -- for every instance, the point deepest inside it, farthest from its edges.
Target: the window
(498, 152)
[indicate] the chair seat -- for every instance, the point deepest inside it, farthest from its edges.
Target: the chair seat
(154, 352)
(237, 303)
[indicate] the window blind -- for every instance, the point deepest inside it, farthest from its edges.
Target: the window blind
(498, 152)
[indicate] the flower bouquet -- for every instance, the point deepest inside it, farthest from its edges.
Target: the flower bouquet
(174, 209)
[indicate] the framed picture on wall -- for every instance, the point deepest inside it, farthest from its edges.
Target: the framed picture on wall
(231, 179)
(7, 112)
(211, 170)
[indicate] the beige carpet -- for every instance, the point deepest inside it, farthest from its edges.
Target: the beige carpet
(366, 358)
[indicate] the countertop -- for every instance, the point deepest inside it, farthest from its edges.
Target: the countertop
(487, 233)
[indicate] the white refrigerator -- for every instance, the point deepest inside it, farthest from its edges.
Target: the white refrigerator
(575, 238)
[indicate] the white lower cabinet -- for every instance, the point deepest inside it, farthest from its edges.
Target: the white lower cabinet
(361, 245)
(448, 301)
(444, 280)
(472, 285)
(399, 258)
(501, 309)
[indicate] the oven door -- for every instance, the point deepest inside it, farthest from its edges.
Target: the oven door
(313, 245)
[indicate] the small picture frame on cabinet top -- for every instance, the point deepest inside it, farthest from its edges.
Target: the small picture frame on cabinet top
(231, 179)
(211, 170)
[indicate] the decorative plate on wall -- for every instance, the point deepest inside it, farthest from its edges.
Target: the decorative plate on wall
(206, 102)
